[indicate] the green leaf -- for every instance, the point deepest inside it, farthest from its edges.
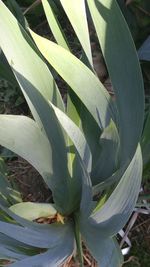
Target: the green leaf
(41, 239)
(34, 234)
(105, 251)
(39, 87)
(145, 141)
(76, 136)
(12, 249)
(16, 11)
(86, 204)
(4, 193)
(123, 66)
(5, 70)
(60, 38)
(7, 193)
(98, 228)
(107, 162)
(8, 254)
(80, 79)
(21, 253)
(3, 169)
(144, 51)
(23, 57)
(37, 150)
(53, 257)
(76, 13)
(84, 120)
(54, 236)
(54, 24)
(102, 103)
(113, 215)
(30, 143)
(23, 222)
(78, 239)
(31, 211)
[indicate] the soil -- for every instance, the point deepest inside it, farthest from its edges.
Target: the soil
(139, 235)
(28, 181)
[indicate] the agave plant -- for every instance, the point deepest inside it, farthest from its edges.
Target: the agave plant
(87, 151)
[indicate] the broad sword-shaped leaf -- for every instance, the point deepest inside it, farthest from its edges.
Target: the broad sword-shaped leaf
(123, 66)
(105, 222)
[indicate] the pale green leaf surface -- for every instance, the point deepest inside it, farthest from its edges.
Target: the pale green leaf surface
(53, 257)
(32, 211)
(33, 237)
(106, 251)
(54, 24)
(74, 115)
(8, 254)
(84, 120)
(37, 150)
(61, 40)
(16, 11)
(113, 179)
(44, 235)
(86, 204)
(98, 113)
(76, 13)
(101, 169)
(23, 136)
(59, 182)
(26, 223)
(25, 61)
(38, 87)
(80, 79)
(76, 136)
(98, 228)
(54, 236)
(36, 236)
(123, 66)
(26, 255)
(9, 242)
(113, 215)
(13, 249)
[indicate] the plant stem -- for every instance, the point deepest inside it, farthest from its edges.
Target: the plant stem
(78, 241)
